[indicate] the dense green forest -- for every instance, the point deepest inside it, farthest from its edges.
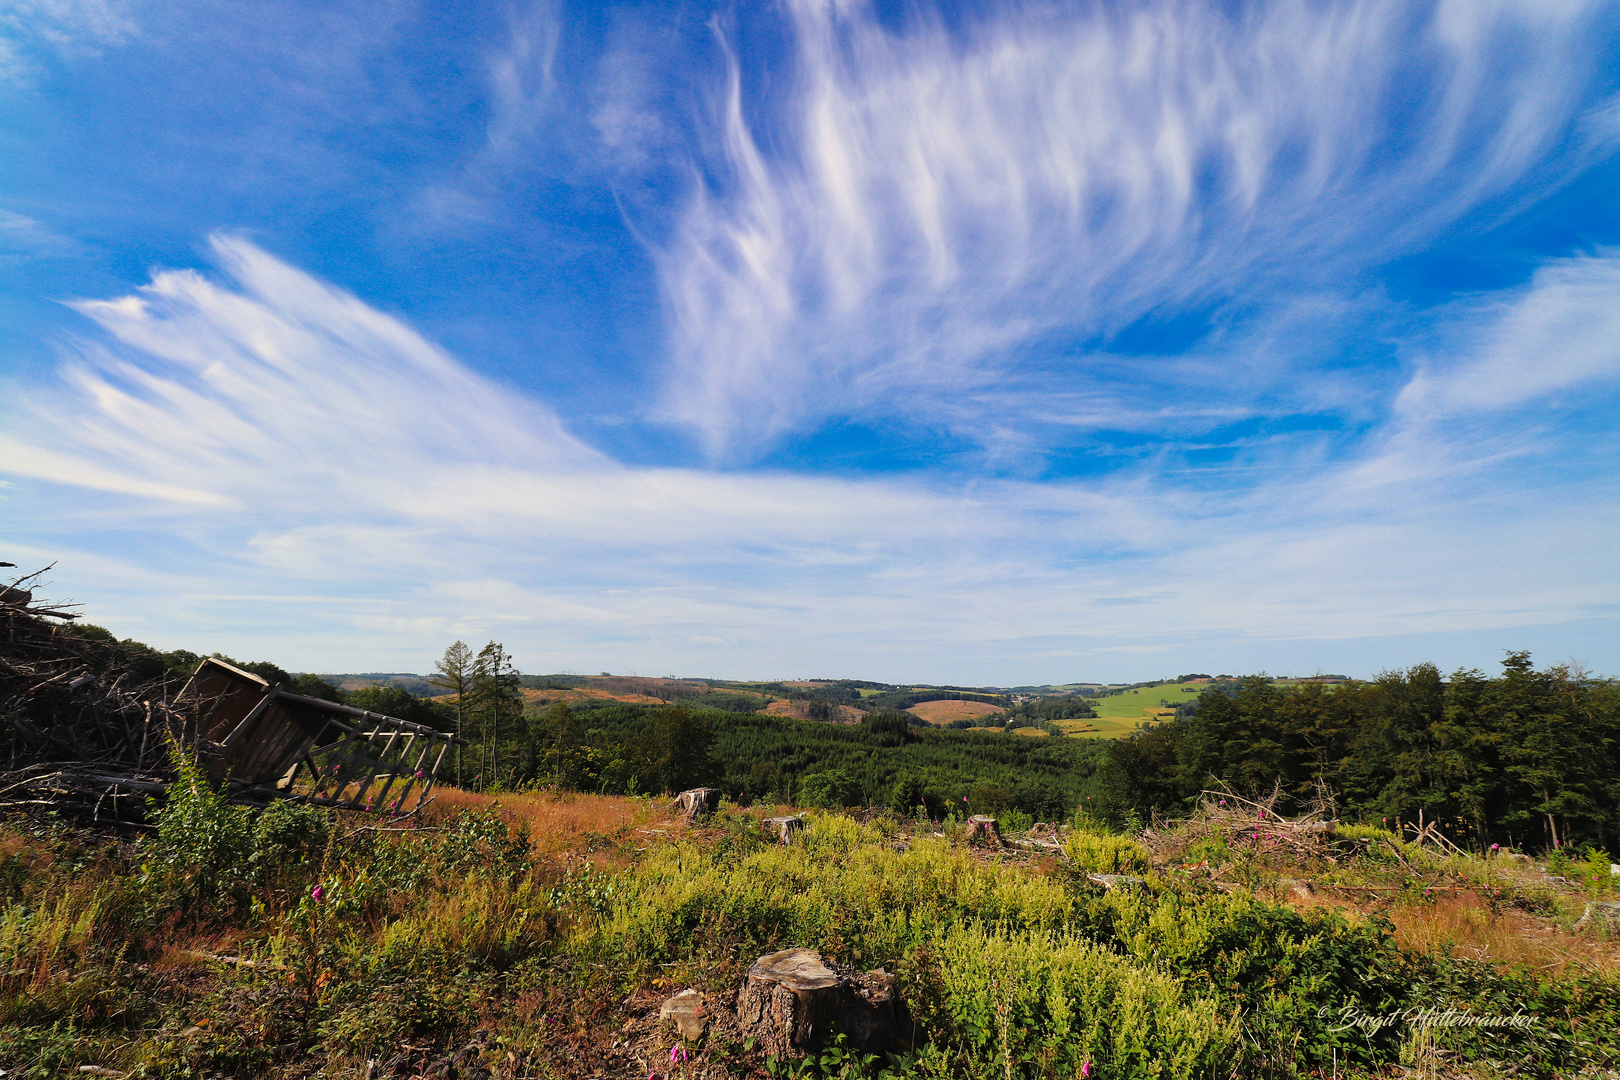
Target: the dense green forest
(1526, 758)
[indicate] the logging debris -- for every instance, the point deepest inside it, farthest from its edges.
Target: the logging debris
(83, 739)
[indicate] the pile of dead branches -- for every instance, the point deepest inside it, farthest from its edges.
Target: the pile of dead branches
(1252, 824)
(77, 734)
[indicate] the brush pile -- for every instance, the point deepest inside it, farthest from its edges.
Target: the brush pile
(77, 735)
(1255, 824)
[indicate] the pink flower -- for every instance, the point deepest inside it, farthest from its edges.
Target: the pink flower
(1496, 847)
(419, 774)
(1085, 1070)
(316, 893)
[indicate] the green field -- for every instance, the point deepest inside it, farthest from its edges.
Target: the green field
(1122, 714)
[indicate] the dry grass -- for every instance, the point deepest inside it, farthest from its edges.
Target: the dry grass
(1464, 925)
(562, 822)
(943, 712)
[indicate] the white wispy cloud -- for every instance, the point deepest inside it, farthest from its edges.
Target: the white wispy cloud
(216, 444)
(60, 27)
(914, 210)
(1560, 331)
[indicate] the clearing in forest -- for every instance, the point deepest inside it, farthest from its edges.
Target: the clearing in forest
(943, 712)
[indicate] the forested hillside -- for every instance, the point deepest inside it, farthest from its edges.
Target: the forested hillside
(1528, 757)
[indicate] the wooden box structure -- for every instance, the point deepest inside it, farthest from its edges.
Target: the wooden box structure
(263, 742)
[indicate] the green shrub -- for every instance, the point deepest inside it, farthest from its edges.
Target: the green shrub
(831, 790)
(202, 849)
(1098, 852)
(1050, 1003)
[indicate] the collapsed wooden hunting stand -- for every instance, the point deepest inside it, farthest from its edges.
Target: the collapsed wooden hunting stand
(262, 742)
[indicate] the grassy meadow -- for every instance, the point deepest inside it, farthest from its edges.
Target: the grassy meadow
(1120, 714)
(536, 934)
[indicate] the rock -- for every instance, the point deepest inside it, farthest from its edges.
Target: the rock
(1113, 881)
(1598, 909)
(685, 1010)
(785, 827)
(982, 829)
(697, 803)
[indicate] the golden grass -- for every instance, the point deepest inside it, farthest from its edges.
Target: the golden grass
(561, 822)
(1463, 925)
(943, 712)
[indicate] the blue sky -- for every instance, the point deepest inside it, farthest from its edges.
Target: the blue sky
(981, 343)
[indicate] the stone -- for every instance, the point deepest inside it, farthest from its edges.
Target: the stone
(1598, 909)
(685, 1010)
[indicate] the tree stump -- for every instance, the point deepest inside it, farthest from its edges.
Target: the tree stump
(697, 803)
(789, 1001)
(785, 827)
(873, 1016)
(982, 829)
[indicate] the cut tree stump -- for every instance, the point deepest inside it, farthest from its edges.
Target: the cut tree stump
(983, 830)
(785, 827)
(791, 1002)
(788, 1001)
(697, 803)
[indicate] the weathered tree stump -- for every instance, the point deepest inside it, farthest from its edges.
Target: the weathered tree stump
(873, 1015)
(789, 1001)
(697, 803)
(785, 827)
(982, 829)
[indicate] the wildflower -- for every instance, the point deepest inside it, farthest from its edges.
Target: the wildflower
(1085, 1070)
(316, 893)
(420, 774)
(1496, 847)
(678, 1054)
(1223, 802)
